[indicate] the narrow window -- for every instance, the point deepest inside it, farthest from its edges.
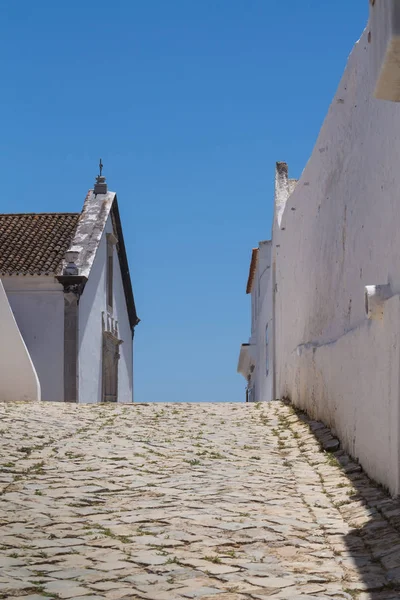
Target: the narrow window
(110, 271)
(266, 351)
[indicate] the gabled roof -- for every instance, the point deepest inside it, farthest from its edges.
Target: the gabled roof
(93, 218)
(96, 210)
(252, 270)
(35, 244)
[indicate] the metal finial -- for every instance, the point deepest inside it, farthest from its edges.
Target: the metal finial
(101, 167)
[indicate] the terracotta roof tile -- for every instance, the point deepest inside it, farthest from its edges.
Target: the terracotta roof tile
(35, 244)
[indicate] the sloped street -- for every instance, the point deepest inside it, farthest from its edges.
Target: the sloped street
(171, 501)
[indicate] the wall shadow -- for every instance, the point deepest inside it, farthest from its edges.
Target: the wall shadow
(372, 544)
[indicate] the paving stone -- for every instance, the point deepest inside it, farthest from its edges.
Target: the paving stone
(271, 582)
(331, 445)
(75, 573)
(106, 586)
(164, 502)
(30, 597)
(201, 592)
(113, 565)
(66, 590)
(6, 561)
(11, 585)
(89, 597)
(147, 558)
(121, 593)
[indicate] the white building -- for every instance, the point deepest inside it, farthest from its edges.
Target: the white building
(255, 359)
(334, 264)
(67, 281)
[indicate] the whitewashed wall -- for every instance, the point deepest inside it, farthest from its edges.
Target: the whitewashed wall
(340, 231)
(120, 313)
(38, 307)
(91, 305)
(263, 318)
(18, 377)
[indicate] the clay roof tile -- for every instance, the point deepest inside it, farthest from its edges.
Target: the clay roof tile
(35, 244)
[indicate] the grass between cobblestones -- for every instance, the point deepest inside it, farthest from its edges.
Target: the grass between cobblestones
(187, 501)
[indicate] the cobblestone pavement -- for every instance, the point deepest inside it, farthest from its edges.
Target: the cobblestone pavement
(165, 502)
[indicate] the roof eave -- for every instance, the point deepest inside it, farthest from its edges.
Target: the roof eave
(124, 266)
(252, 270)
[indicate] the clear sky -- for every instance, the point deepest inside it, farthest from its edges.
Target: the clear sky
(189, 103)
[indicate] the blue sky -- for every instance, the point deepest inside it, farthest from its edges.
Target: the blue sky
(189, 103)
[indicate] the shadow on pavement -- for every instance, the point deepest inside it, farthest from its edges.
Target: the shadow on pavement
(373, 540)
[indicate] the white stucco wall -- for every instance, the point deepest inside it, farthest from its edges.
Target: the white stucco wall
(340, 231)
(264, 318)
(120, 314)
(261, 315)
(18, 377)
(38, 307)
(91, 305)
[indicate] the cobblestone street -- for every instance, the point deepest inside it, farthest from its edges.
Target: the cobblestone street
(170, 501)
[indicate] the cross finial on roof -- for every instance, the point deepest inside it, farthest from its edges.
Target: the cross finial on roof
(100, 187)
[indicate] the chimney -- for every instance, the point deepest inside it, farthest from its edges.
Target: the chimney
(100, 187)
(281, 189)
(71, 256)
